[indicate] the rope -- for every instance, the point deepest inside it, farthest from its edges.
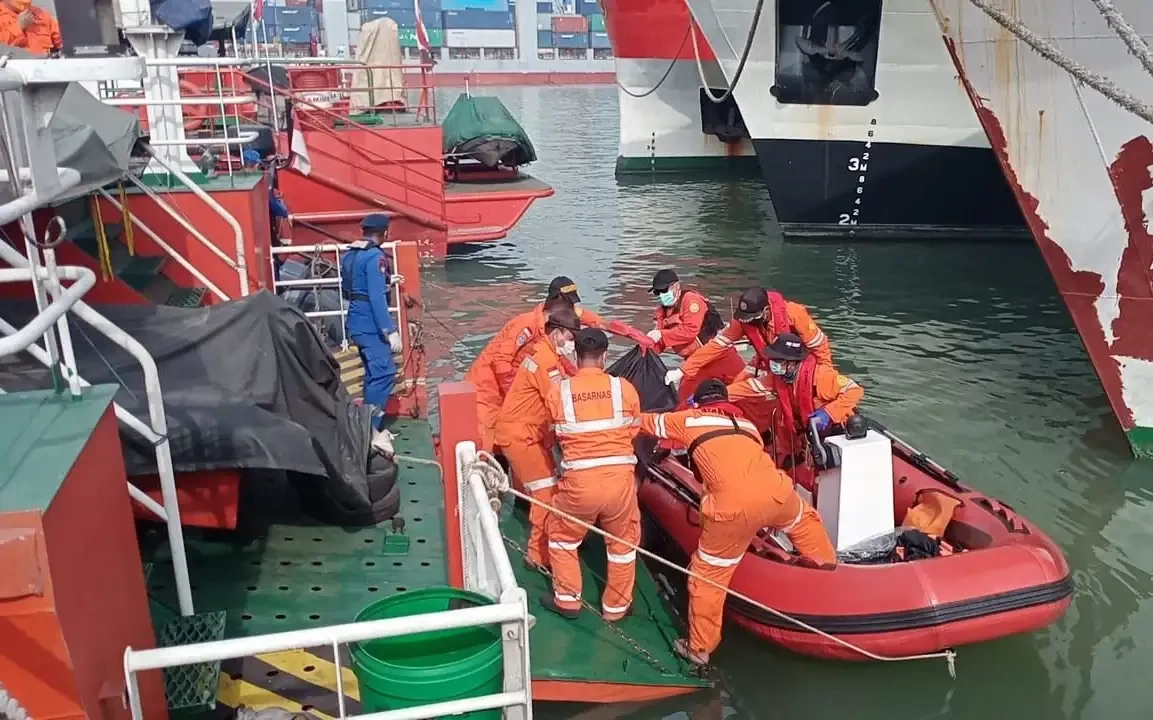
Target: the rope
(104, 254)
(10, 709)
(740, 66)
(492, 473)
(1082, 74)
(126, 214)
(1126, 32)
(668, 70)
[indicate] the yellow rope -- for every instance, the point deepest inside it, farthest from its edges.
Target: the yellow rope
(126, 214)
(104, 255)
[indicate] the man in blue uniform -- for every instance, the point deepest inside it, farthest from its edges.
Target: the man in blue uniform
(365, 280)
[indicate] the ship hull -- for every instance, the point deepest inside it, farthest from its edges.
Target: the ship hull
(659, 94)
(1080, 169)
(899, 153)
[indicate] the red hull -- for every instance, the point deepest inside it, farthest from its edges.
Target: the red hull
(1013, 578)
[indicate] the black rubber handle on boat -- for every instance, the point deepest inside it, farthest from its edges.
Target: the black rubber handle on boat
(817, 446)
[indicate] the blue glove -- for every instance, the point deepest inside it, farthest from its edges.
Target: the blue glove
(822, 418)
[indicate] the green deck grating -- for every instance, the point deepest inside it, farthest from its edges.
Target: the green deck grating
(301, 575)
(588, 649)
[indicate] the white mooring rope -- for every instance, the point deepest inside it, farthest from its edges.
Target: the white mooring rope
(496, 481)
(10, 709)
(1082, 74)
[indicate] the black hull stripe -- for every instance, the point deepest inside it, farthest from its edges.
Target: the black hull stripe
(915, 619)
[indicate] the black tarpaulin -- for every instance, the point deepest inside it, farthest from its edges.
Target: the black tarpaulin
(246, 384)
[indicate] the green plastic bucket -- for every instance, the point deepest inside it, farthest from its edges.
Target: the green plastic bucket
(429, 667)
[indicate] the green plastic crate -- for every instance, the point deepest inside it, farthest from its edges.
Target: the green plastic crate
(191, 689)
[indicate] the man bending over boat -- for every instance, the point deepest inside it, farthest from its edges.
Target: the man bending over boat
(493, 370)
(365, 280)
(523, 430)
(760, 316)
(807, 391)
(743, 492)
(685, 322)
(595, 418)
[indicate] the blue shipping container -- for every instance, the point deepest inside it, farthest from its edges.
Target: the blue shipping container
(291, 16)
(544, 38)
(570, 40)
(426, 6)
(478, 20)
(297, 34)
(544, 8)
(489, 5)
(600, 40)
(403, 17)
(586, 8)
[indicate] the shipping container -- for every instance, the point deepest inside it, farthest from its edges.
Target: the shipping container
(426, 6)
(479, 38)
(297, 34)
(404, 17)
(588, 7)
(600, 40)
(292, 16)
(570, 24)
(408, 37)
(274, 3)
(544, 38)
(489, 5)
(570, 40)
(301, 3)
(544, 22)
(544, 8)
(478, 20)
(596, 23)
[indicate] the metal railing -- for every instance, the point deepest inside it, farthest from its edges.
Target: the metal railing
(509, 610)
(329, 277)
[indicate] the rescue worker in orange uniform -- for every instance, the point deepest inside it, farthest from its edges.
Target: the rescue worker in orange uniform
(28, 27)
(760, 316)
(807, 391)
(742, 492)
(595, 417)
(493, 370)
(685, 321)
(523, 431)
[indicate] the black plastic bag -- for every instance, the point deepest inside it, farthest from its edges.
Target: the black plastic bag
(646, 372)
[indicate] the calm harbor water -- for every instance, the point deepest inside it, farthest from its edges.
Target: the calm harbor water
(963, 348)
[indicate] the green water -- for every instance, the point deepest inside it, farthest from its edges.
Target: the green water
(962, 347)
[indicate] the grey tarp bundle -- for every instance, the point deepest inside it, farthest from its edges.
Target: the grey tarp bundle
(246, 384)
(482, 128)
(90, 137)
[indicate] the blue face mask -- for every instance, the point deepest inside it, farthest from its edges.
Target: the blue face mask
(777, 367)
(667, 298)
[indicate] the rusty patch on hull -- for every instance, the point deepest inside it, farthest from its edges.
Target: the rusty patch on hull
(1079, 288)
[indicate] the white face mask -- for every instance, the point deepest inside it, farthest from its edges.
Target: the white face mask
(567, 348)
(777, 367)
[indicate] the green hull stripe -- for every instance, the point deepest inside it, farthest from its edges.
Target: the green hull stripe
(672, 165)
(1141, 440)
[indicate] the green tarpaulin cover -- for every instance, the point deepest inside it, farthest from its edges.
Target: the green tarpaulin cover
(482, 128)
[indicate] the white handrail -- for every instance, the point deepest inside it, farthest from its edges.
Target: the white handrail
(465, 459)
(158, 421)
(169, 250)
(30, 333)
(198, 100)
(241, 260)
(15, 209)
(242, 139)
(240, 62)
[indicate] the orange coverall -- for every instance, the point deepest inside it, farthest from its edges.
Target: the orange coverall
(751, 391)
(680, 327)
(595, 419)
(493, 370)
(743, 492)
(41, 37)
(523, 434)
(817, 386)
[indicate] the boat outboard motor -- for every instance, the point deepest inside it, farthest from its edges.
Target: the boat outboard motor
(855, 485)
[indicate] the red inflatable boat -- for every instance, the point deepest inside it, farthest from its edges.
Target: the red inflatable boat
(1004, 575)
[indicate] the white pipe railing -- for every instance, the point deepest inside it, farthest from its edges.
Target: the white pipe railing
(241, 259)
(158, 423)
(197, 100)
(83, 279)
(241, 139)
(15, 209)
(169, 250)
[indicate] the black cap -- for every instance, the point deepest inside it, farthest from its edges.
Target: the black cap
(564, 317)
(563, 286)
(750, 304)
(710, 391)
(663, 280)
(590, 340)
(787, 346)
